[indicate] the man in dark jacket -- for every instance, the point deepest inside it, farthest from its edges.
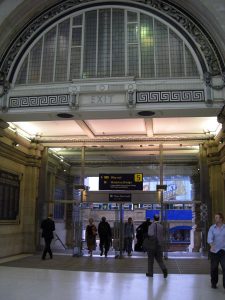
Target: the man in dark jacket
(47, 226)
(156, 229)
(105, 235)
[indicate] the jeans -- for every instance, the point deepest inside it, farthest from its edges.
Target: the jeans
(217, 258)
(128, 244)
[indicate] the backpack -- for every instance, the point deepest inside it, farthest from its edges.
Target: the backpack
(151, 242)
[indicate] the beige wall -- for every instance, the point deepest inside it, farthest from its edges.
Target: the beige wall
(19, 236)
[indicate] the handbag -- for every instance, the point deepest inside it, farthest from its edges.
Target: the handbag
(150, 243)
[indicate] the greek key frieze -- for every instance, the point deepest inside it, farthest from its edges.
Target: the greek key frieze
(170, 96)
(38, 101)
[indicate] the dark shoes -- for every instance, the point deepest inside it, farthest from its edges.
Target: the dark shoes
(101, 253)
(165, 274)
(213, 286)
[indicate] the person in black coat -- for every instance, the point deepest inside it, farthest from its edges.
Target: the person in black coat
(141, 234)
(47, 226)
(105, 236)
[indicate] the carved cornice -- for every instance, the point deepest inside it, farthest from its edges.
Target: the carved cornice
(196, 30)
(165, 9)
(9, 152)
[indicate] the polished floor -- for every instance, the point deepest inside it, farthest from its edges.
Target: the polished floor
(23, 283)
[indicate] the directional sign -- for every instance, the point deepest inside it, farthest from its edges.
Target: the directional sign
(121, 181)
(120, 197)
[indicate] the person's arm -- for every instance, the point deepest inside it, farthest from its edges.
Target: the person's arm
(53, 226)
(133, 230)
(210, 239)
(110, 231)
(42, 224)
(86, 232)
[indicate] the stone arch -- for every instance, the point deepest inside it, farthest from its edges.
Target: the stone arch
(205, 48)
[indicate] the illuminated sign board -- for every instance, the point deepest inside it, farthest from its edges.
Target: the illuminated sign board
(121, 181)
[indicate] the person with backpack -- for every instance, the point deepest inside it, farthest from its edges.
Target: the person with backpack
(156, 230)
(105, 236)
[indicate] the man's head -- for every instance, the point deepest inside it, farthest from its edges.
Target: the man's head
(103, 219)
(219, 218)
(156, 217)
(91, 220)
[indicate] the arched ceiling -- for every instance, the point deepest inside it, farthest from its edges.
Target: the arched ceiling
(118, 137)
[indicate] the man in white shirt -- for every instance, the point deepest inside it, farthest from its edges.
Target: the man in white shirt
(216, 240)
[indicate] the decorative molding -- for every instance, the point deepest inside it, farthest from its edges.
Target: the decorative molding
(170, 96)
(4, 84)
(39, 101)
(141, 97)
(163, 8)
(208, 81)
(196, 30)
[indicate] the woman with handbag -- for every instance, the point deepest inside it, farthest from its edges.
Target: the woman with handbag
(91, 232)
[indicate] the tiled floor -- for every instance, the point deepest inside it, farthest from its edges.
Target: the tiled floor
(135, 264)
(18, 283)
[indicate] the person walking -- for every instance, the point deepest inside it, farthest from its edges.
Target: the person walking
(128, 236)
(47, 226)
(91, 233)
(156, 229)
(216, 240)
(141, 234)
(105, 236)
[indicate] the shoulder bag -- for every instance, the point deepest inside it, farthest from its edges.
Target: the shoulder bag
(150, 243)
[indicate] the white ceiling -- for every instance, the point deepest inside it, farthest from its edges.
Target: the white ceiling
(120, 127)
(121, 139)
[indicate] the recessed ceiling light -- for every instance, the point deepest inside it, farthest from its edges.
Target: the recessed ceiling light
(64, 116)
(146, 113)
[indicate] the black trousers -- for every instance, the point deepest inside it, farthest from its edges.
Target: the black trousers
(47, 248)
(104, 244)
(158, 256)
(216, 259)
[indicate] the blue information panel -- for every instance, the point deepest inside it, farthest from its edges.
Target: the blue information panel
(172, 214)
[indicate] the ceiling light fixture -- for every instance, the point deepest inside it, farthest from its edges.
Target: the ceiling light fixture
(65, 116)
(15, 144)
(146, 113)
